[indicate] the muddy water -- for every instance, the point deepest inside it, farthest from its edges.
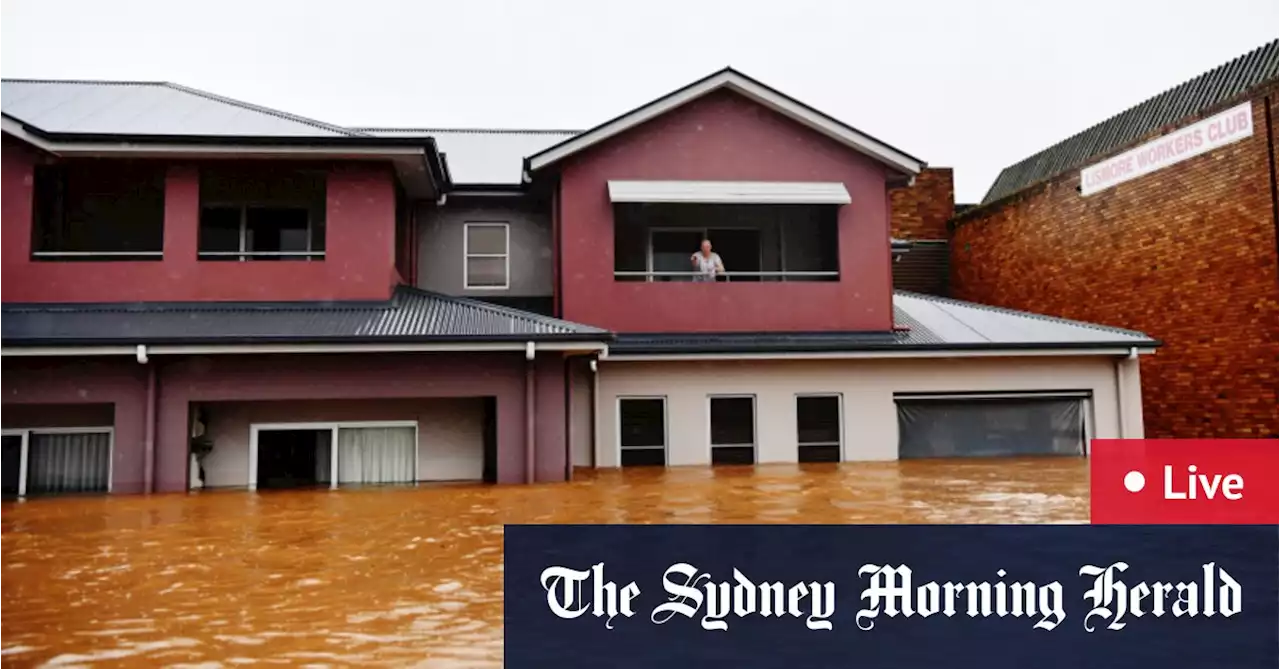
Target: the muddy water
(409, 576)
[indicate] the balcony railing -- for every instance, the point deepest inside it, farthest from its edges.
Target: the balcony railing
(723, 276)
(97, 255)
(260, 255)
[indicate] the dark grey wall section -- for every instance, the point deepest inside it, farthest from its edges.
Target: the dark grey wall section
(440, 244)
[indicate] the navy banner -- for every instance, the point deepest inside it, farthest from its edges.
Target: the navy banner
(892, 596)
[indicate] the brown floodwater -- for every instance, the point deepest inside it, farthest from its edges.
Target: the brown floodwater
(410, 576)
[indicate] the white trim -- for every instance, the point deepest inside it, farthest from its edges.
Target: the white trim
(26, 432)
(467, 255)
(215, 349)
(729, 192)
(839, 423)
(1017, 394)
(755, 427)
(15, 128)
(859, 355)
(763, 95)
(333, 427)
(666, 428)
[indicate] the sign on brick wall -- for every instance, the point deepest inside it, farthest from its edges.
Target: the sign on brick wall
(1219, 130)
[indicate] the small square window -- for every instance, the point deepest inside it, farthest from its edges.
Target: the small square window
(733, 430)
(486, 255)
(818, 428)
(642, 431)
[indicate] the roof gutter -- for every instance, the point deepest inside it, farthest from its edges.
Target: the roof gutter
(233, 349)
(879, 355)
(414, 159)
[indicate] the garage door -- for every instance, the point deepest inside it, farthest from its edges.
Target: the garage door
(990, 426)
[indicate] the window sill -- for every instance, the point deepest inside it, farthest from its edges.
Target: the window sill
(97, 256)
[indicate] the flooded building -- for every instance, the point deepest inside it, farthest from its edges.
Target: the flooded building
(1162, 219)
(200, 292)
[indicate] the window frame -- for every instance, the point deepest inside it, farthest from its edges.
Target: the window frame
(24, 458)
(60, 172)
(755, 427)
(243, 206)
(332, 427)
(666, 429)
(840, 431)
(467, 255)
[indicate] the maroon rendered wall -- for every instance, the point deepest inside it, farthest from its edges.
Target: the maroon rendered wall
(359, 263)
(293, 377)
(121, 382)
(723, 137)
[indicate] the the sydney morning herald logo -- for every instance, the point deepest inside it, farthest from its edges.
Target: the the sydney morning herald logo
(891, 591)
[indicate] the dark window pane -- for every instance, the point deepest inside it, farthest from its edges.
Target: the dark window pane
(820, 453)
(12, 463)
(63, 463)
(275, 230)
(733, 420)
(642, 422)
(486, 239)
(733, 455)
(110, 207)
(644, 457)
(486, 272)
(220, 231)
(818, 419)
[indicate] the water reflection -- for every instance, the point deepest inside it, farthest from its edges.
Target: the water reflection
(410, 576)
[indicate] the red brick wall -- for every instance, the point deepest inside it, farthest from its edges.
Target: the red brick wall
(921, 211)
(1186, 254)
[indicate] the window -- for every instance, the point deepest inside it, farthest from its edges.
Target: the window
(42, 461)
(277, 215)
(98, 210)
(642, 431)
(818, 428)
(486, 252)
(653, 242)
(992, 425)
(733, 430)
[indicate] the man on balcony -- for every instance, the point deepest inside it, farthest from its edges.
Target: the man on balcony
(706, 263)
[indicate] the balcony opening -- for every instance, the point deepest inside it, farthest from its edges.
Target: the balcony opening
(755, 242)
(276, 215)
(98, 210)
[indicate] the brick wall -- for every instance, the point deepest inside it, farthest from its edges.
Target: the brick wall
(1186, 254)
(921, 211)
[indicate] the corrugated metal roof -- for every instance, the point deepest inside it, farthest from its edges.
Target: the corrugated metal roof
(411, 315)
(941, 320)
(1189, 99)
(148, 108)
(482, 157)
(923, 322)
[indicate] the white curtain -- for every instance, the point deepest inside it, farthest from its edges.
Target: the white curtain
(376, 455)
(58, 463)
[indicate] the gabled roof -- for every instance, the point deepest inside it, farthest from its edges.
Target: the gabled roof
(148, 108)
(730, 79)
(1171, 107)
(480, 157)
(411, 315)
(923, 323)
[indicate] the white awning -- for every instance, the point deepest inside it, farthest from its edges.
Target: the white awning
(729, 192)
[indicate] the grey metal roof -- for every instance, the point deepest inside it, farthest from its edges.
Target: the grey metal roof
(411, 315)
(147, 108)
(941, 320)
(482, 157)
(1186, 100)
(922, 322)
